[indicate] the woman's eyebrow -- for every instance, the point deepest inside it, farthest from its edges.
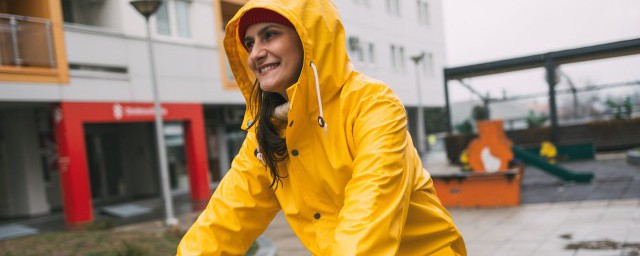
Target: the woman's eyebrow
(263, 30)
(261, 33)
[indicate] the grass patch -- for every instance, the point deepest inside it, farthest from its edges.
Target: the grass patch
(92, 243)
(97, 242)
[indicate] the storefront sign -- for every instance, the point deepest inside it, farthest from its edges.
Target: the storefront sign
(120, 111)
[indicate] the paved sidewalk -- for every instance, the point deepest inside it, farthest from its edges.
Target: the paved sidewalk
(556, 217)
(587, 228)
(548, 228)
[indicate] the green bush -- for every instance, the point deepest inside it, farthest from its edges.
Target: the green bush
(480, 113)
(465, 128)
(536, 120)
(623, 109)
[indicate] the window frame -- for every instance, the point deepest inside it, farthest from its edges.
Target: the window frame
(172, 15)
(393, 7)
(424, 15)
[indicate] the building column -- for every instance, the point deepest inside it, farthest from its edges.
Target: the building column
(72, 160)
(197, 162)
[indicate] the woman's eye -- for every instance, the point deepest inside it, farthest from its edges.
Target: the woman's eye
(269, 34)
(248, 45)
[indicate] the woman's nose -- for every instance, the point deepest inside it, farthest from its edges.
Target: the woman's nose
(258, 53)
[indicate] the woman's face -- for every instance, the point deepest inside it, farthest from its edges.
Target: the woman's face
(275, 56)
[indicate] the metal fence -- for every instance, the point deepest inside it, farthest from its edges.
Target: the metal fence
(26, 42)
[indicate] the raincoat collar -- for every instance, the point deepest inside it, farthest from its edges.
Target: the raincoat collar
(320, 29)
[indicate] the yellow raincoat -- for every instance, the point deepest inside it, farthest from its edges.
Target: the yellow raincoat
(354, 186)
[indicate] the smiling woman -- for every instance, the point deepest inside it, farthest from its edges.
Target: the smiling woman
(326, 144)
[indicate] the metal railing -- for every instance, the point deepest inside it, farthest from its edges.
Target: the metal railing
(26, 42)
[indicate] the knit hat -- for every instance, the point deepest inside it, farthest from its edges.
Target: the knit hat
(260, 15)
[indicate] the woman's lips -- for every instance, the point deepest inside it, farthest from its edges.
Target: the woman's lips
(267, 68)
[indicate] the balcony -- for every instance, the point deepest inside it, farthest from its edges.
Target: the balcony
(26, 42)
(32, 48)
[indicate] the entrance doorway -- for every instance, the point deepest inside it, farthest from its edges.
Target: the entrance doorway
(105, 162)
(122, 161)
(123, 165)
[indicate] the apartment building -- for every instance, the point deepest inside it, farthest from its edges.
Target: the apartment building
(382, 38)
(76, 112)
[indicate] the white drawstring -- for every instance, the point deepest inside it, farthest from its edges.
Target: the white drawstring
(321, 120)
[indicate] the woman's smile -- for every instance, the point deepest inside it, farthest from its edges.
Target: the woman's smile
(264, 69)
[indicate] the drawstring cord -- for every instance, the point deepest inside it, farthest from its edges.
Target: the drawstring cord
(321, 121)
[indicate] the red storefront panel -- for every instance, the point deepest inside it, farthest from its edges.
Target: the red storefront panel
(69, 121)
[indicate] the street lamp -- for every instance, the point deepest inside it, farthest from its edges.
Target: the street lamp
(148, 8)
(420, 116)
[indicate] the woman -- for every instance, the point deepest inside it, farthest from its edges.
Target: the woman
(325, 144)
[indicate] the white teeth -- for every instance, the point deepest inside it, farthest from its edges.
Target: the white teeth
(267, 68)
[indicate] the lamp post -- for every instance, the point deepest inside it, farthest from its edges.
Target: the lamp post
(420, 113)
(148, 8)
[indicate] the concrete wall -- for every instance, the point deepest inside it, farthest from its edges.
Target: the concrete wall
(22, 166)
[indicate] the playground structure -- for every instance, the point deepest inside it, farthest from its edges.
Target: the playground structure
(496, 169)
(494, 164)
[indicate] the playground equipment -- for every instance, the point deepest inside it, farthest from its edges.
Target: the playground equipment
(494, 178)
(553, 169)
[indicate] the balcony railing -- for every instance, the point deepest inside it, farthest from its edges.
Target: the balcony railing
(26, 42)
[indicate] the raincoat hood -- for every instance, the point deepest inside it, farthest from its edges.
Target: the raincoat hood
(324, 45)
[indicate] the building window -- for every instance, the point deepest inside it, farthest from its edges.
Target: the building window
(393, 57)
(372, 54)
(366, 3)
(397, 58)
(401, 59)
(393, 7)
(173, 19)
(423, 12)
(355, 49)
(98, 13)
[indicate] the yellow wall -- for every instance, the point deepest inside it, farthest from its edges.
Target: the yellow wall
(47, 9)
(224, 11)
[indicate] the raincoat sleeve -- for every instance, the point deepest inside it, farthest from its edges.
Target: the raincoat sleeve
(238, 212)
(377, 196)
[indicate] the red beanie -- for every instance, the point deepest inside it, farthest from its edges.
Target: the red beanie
(260, 15)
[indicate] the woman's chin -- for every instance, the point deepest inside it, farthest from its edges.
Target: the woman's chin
(269, 88)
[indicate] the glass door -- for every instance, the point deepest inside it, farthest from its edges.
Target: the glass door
(105, 163)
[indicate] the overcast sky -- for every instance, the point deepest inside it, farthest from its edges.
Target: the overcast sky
(484, 30)
(479, 31)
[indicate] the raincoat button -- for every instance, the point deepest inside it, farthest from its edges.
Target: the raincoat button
(291, 123)
(294, 152)
(316, 216)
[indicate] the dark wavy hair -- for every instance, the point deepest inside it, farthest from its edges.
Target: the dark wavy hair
(272, 146)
